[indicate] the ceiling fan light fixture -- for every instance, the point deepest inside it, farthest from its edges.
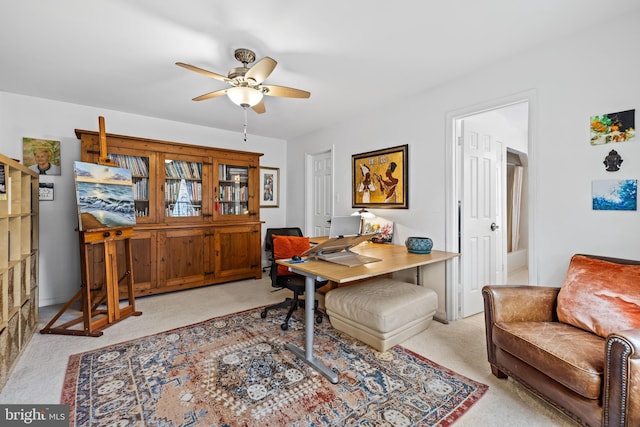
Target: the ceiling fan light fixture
(244, 96)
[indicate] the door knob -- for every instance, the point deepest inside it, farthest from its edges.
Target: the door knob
(494, 226)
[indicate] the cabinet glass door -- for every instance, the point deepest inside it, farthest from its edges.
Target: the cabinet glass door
(232, 196)
(139, 167)
(183, 188)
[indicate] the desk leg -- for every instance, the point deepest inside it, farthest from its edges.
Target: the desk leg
(307, 353)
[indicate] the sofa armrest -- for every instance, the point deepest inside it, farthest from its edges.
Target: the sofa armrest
(520, 303)
(622, 379)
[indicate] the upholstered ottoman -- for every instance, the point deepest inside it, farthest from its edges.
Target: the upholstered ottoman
(381, 312)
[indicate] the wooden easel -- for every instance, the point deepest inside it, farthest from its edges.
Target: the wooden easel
(95, 317)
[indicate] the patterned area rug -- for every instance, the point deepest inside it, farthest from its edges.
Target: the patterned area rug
(235, 371)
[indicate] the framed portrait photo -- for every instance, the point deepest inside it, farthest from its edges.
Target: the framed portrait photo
(380, 178)
(269, 187)
(41, 155)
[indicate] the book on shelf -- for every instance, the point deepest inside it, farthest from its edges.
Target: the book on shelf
(177, 169)
(233, 173)
(3, 183)
(8, 195)
(137, 165)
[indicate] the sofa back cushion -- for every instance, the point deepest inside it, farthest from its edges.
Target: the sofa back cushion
(286, 247)
(600, 296)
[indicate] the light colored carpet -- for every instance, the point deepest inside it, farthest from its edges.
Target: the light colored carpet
(460, 346)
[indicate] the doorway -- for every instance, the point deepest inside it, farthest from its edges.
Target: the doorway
(484, 143)
(319, 193)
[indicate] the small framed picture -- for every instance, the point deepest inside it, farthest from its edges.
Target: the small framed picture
(269, 187)
(46, 191)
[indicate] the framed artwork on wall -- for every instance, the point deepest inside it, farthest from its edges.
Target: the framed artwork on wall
(615, 195)
(380, 178)
(45, 191)
(269, 187)
(613, 127)
(41, 155)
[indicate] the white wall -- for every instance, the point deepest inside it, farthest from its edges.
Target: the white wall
(23, 116)
(572, 81)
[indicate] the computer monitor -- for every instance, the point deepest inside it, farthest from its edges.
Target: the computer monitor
(345, 226)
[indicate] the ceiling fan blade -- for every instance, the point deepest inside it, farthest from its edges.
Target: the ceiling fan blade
(210, 95)
(286, 92)
(259, 108)
(202, 71)
(261, 70)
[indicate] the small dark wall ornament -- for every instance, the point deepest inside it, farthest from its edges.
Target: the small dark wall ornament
(613, 161)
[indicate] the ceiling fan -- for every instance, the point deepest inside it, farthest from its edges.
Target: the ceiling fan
(247, 82)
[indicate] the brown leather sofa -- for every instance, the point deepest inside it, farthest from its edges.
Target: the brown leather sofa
(593, 379)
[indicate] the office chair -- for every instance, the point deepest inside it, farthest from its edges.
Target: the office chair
(268, 239)
(293, 282)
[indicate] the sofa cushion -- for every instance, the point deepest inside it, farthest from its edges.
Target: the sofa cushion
(600, 296)
(285, 247)
(571, 356)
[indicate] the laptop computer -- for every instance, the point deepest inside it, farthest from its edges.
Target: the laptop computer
(345, 226)
(337, 250)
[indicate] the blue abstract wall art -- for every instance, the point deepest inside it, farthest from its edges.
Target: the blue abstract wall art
(615, 195)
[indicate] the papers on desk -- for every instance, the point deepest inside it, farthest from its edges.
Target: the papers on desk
(337, 244)
(337, 250)
(350, 259)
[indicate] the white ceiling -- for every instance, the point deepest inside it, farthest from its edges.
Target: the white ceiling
(352, 55)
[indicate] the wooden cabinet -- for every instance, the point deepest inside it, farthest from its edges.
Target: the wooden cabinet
(18, 261)
(237, 251)
(197, 212)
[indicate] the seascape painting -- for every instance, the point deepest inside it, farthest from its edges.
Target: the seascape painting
(104, 195)
(615, 195)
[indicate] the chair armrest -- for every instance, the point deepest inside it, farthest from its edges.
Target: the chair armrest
(520, 303)
(622, 379)
(515, 304)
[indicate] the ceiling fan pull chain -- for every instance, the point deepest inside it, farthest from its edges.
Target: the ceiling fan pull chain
(245, 123)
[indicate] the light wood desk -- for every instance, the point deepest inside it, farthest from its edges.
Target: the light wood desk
(393, 258)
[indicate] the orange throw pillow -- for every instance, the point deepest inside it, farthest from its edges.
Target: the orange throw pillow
(284, 247)
(600, 296)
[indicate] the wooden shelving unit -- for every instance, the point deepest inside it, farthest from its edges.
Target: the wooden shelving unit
(198, 213)
(18, 261)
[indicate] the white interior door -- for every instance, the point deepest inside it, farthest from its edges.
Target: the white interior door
(480, 214)
(322, 193)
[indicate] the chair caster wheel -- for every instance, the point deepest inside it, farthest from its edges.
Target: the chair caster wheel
(263, 314)
(319, 319)
(284, 326)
